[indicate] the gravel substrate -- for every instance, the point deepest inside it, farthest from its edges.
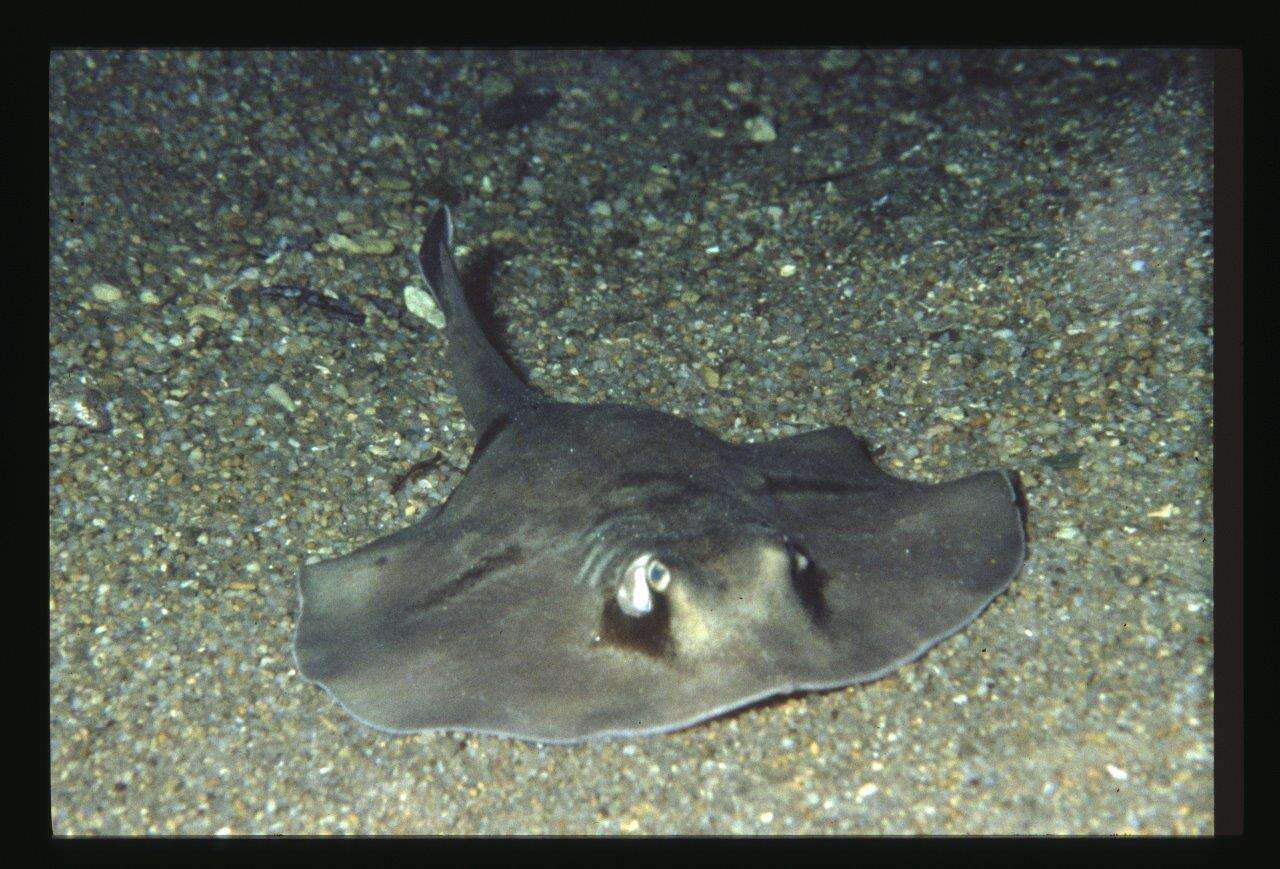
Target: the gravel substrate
(974, 259)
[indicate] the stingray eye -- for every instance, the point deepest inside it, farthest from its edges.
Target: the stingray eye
(659, 576)
(633, 594)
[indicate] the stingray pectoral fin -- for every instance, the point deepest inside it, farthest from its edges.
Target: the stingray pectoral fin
(373, 626)
(903, 566)
(434, 629)
(340, 599)
(825, 453)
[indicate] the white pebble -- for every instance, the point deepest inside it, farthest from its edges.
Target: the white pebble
(787, 270)
(760, 129)
(338, 241)
(1117, 773)
(106, 293)
(421, 304)
(277, 394)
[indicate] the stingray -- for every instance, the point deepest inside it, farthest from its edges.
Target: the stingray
(610, 570)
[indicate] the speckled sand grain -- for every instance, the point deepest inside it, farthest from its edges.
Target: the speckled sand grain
(975, 259)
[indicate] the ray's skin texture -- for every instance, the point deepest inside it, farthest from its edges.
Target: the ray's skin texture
(611, 570)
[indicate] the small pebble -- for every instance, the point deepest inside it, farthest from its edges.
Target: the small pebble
(760, 129)
(422, 304)
(107, 293)
(364, 245)
(338, 241)
(208, 312)
(277, 394)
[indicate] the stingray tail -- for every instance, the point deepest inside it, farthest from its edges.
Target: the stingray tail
(486, 385)
(435, 258)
